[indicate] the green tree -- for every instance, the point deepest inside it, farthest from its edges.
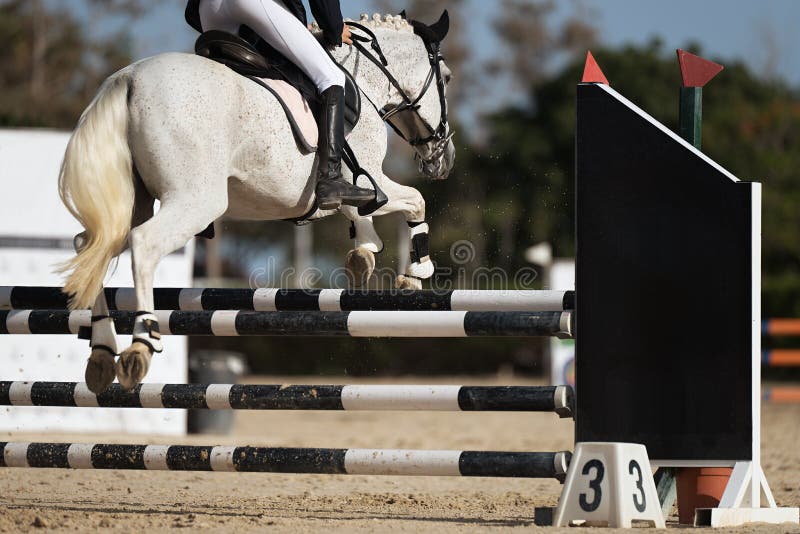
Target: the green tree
(51, 62)
(481, 202)
(751, 127)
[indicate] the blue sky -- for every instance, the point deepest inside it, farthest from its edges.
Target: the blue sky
(754, 31)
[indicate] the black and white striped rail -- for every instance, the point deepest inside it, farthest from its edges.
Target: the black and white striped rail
(286, 460)
(558, 399)
(199, 299)
(294, 323)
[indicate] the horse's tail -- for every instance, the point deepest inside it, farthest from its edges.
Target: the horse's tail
(96, 185)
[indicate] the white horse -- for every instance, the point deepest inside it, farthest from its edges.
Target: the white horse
(207, 142)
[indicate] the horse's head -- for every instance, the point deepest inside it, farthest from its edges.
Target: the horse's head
(408, 54)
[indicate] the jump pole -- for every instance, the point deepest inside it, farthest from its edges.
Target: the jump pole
(399, 462)
(781, 394)
(781, 358)
(412, 324)
(780, 327)
(264, 299)
(557, 399)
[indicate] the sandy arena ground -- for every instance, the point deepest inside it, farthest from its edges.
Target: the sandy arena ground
(136, 501)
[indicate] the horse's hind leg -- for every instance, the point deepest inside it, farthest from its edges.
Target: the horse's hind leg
(100, 370)
(178, 220)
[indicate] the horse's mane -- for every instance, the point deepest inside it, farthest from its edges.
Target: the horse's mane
(389, 22)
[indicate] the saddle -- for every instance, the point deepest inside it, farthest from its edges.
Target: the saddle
(254, 59)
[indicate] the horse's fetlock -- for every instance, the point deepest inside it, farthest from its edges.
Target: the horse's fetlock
(147, 332)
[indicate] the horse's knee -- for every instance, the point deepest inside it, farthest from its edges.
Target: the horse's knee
(416, 208)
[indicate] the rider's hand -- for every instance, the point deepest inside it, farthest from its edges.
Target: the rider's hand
(346, 38)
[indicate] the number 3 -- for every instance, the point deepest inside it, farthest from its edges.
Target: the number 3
(594, 484)
(640, 506)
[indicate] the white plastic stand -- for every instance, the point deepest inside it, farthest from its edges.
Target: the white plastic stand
(609, 484)
(741, 502)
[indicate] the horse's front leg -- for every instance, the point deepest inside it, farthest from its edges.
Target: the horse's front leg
(408, 201)
(360, 261)
(420, 267)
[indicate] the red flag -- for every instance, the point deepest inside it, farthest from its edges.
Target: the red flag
(592, 72)
(696, 71)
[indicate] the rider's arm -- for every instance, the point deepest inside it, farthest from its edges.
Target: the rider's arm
(328, 15)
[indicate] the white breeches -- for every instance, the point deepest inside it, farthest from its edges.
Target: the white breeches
(280, 29)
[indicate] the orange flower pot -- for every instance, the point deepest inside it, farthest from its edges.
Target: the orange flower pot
(700, 487)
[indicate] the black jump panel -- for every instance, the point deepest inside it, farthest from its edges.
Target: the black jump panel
(664, 238)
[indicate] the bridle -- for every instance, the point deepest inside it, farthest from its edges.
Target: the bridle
(409, 107)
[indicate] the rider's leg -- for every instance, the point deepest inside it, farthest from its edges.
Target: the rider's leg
(332, 189)
(286, 34)
(280, 29)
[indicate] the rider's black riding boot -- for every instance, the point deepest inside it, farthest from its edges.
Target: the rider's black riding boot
(333, 190)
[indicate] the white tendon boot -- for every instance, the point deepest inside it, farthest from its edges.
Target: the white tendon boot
(421, 266)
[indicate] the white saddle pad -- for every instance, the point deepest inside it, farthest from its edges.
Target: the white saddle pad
(296, 105)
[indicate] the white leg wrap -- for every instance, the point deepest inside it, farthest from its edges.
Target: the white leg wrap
(421, 265)
(421, 270)
(419, 229)
(145, 329)
(104, 334)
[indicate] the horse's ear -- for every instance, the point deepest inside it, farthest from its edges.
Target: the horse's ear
(442, 26)
(403, 14)
(435, 33)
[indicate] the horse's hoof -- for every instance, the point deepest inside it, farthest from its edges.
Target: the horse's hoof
(360, 264)
(100, 372)
(133, 364)
(408, 282)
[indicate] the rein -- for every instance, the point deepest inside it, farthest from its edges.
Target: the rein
(439, 135)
